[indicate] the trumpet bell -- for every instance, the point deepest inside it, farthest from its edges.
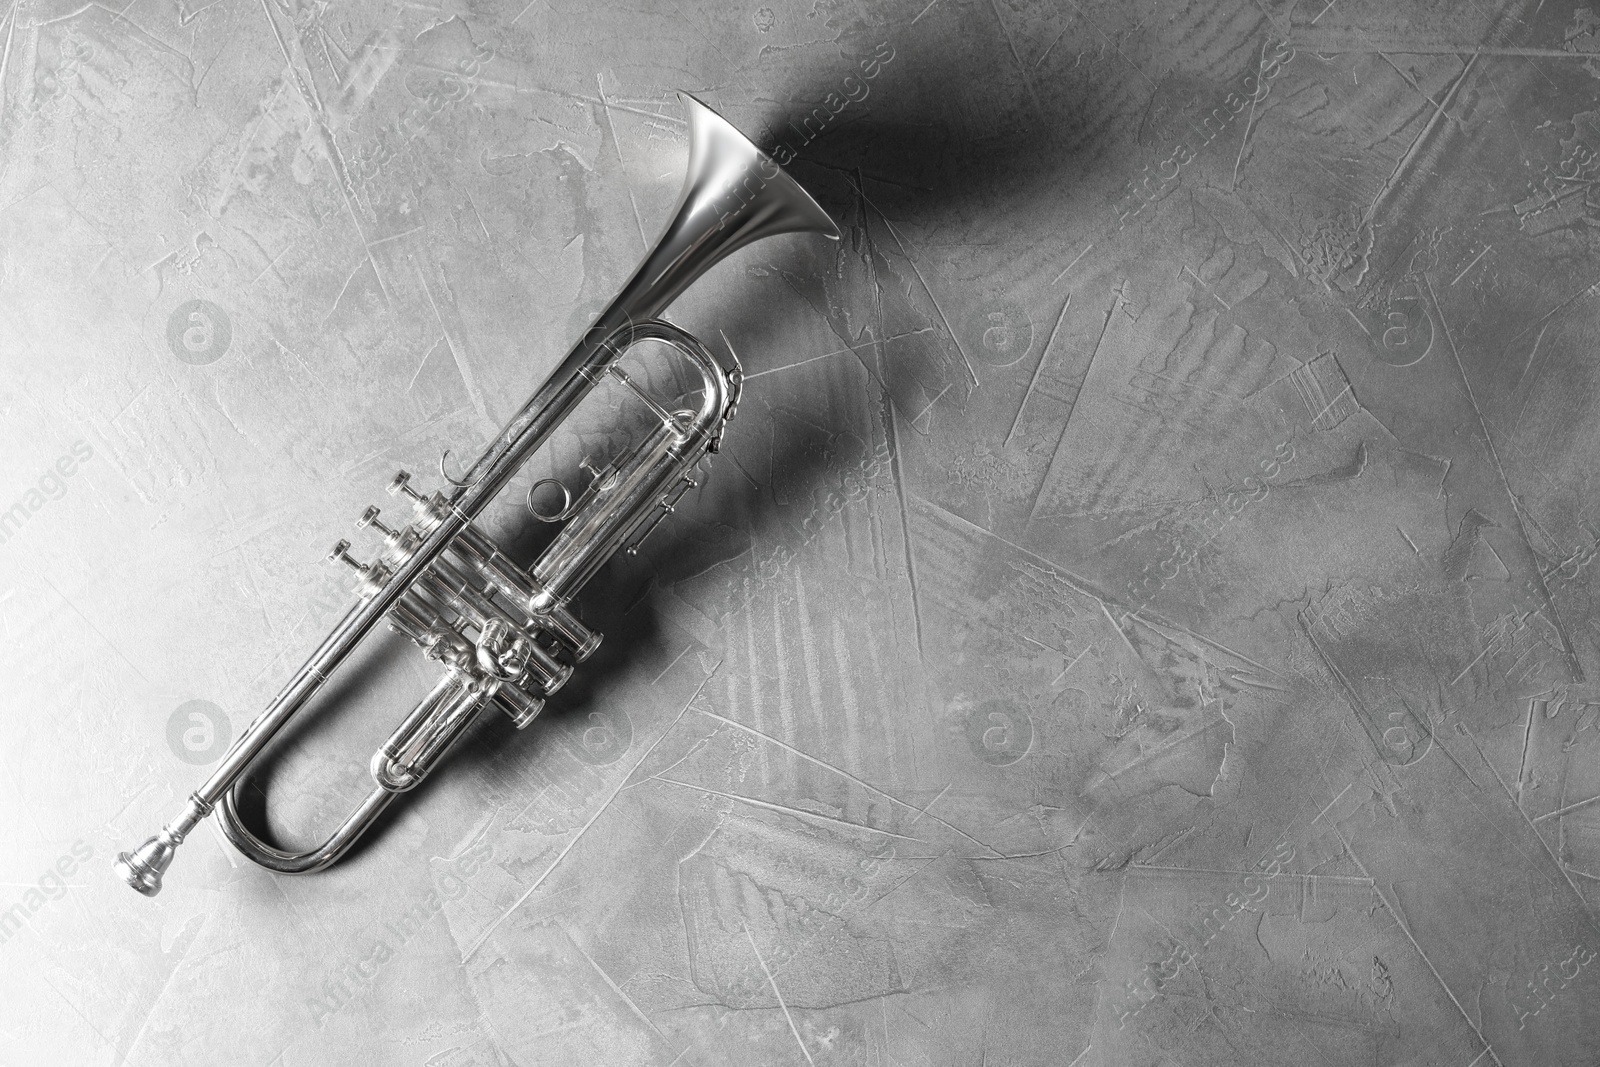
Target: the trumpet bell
(732, 196)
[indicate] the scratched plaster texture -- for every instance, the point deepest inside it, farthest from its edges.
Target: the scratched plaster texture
(1142, 615)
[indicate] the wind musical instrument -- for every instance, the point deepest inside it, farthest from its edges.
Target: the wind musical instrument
(504, 635)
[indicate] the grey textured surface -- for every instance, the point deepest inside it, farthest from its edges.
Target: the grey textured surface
(1142, 615)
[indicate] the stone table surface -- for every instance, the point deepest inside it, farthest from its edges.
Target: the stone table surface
(1141, 615)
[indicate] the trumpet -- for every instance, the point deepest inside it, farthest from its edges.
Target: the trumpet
(505, 635)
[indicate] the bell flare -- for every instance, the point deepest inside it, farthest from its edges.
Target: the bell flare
(734, 182)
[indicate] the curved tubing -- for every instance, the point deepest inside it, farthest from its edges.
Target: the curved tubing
(276, 859)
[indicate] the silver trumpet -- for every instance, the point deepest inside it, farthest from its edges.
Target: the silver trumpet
(503, 634)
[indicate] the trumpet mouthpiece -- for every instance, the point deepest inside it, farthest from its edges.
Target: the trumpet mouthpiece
(143, 867)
